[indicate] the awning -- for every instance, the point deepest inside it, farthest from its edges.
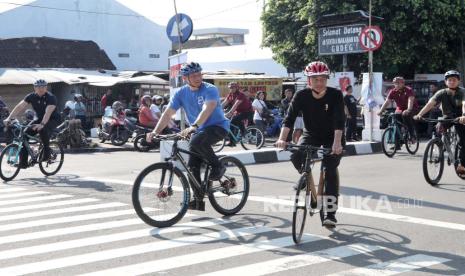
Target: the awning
(18, 76)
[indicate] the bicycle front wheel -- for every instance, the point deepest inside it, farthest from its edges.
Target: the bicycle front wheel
(217, 147)
(253, 138)
(413, 143)
(160, 195)
(52, 165)
(229, 195)
(457, 160)
(433, 162)
(9, 162)
(389, 142)
(300, 210)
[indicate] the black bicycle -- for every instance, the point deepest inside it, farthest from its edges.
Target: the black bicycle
(436, 149)
(9, 158)
(308, 202)
(397, 134)
(161, 192)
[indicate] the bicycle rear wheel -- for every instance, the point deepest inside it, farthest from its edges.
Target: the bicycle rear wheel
(9, 162)
(433, 162)
(412, 143)
(389, 142)
(299, 214)
(253, 138)
(229, 195)
(160, 195)
(53, 164)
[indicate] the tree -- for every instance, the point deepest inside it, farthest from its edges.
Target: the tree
(420, 36)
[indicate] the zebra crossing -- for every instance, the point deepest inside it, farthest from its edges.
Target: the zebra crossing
(61, 234)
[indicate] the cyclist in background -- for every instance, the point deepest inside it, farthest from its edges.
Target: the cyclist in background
(44, 104)
(241, 108)
(407, 105)
(452, 100)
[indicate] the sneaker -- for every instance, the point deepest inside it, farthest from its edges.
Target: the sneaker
(301, 184)
(198, 205)
(21, 166)
(460, 169)
(330, 221)
(217, 173)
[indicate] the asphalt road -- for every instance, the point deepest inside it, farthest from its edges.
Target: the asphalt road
(391, 222)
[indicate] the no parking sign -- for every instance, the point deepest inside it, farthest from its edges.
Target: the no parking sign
(370, 38)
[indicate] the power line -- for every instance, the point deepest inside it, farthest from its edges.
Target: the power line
(71, 10)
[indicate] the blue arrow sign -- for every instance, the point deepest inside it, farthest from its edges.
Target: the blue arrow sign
(185, 28)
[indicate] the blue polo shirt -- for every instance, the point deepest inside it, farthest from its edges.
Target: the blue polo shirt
(192, 102)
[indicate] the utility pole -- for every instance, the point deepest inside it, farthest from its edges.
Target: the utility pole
(183, 115)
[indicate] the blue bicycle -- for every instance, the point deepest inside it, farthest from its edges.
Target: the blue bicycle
(253, 138)
(9, 158)
(397, 134)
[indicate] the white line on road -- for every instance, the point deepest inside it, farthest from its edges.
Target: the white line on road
(204, 256)
(3, 196)
(35, 223)
(132, 250)
(107, 238)
(33, 199)
(70, 230)
(9, 190)
(301, 260)
(393, 267)
(359, 212)
(62, 211)
(48, 205)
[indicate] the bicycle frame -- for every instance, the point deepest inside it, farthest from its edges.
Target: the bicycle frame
(22, 140)
(236, 137)
(397, 126)
(199, 188)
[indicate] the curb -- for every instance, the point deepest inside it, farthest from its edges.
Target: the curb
(274, 155)
(98, 149)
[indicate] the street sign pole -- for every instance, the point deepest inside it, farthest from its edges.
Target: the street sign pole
(183, 115)
(370, 75)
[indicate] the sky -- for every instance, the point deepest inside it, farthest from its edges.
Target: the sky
(204, 13)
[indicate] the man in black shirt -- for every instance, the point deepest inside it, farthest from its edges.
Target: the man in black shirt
(44, 104)
(323, 113)
(351, 112)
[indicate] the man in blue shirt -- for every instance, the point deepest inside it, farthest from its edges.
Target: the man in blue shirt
(201, 101)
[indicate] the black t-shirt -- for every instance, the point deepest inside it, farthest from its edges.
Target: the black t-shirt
(321, 116)
(451, 105)
(39, 104)
(351, 104)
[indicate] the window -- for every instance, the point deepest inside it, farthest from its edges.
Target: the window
(123, 55)
(154, 55)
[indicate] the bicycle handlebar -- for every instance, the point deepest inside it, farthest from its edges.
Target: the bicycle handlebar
(455, 120)
(324, 151)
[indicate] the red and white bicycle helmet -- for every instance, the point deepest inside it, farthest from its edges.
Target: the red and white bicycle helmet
(317, 68)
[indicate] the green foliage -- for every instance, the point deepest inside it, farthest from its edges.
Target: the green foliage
(420, 36)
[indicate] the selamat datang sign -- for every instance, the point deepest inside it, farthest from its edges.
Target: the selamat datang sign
(340, 40)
